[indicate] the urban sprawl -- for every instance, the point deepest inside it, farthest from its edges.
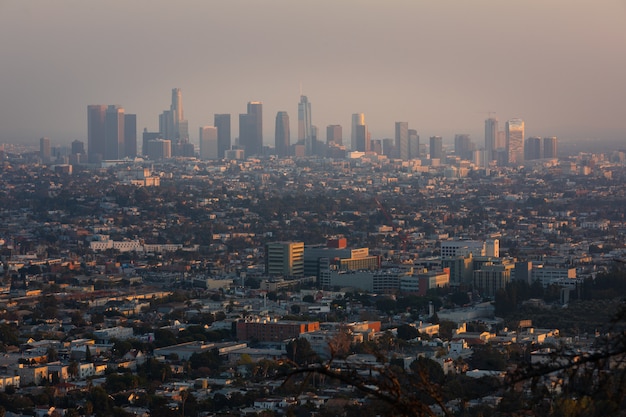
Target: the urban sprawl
(306, 279)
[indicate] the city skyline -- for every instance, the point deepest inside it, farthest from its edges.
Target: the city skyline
(389, 61)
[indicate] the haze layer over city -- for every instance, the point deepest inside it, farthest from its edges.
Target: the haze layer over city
(443, 67)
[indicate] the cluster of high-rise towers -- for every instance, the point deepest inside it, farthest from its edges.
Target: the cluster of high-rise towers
(112, 135)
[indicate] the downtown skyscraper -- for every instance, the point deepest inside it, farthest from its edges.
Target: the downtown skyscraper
(515, 141)
(130, 135)
(95, 132)
(463, 146)
(334, 135)
(402, 145)
(305, 132)
(209, 142)
(107, 130)
(251, 129)
(222, 123)
(532, 149)
(436, 147)
(114, 133)
(414, 144)
(282, 137)
(357, 136)
(172, 124)
(550, 147)
(491, 137)
(44, 150)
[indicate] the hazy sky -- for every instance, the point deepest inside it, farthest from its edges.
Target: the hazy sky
(440, 65)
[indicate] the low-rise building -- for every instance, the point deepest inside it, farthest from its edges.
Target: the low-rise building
(268, 330)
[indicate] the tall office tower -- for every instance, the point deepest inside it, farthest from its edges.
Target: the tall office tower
(501, 142)
(388, 146)
(177, 104)
(172, 123)
(222, 123)
(532, 148)
(166, 125)
(284, 259)
(181, 125)
(158, 149)
(282, 139)
(436, 147)
(113, 132)
(414, 144)
(130, 135)
(305, 135)
(251, 129)
(208, 139)
(317, 149)
(95, 132)
(515, 141)
(363, 143)
(463, 146)
(334, 134)
(491, 137)
(358, 119)
(376, 146)
(78, 147)
(147, 137)
(550, 147)
(403, 151)
(44, 150)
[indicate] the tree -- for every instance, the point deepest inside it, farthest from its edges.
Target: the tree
(210, 359)
(407, 332)
(52, 354)
(487, 357)
(299, 351)
(72, 369)
(339, 345)
(569, 383)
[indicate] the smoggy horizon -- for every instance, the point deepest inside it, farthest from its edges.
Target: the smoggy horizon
(439, 66)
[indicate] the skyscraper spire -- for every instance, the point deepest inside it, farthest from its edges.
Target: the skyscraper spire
(172, 123)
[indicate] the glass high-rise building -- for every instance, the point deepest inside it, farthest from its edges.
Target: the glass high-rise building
(172, 123)
(463, 146)
(362, 139)
(130, 135)
(414, 144)
(95, 132)
(208, 142)
(550, 147)
(222, 123)
(305, 134)
(251, 129)
(436, 147)
(491, 137)
(402, 141)
(334, 134)
(515, 141)
(532, 149)
(282, 139)
(44, 149)
(358, 119)
(114, 133)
